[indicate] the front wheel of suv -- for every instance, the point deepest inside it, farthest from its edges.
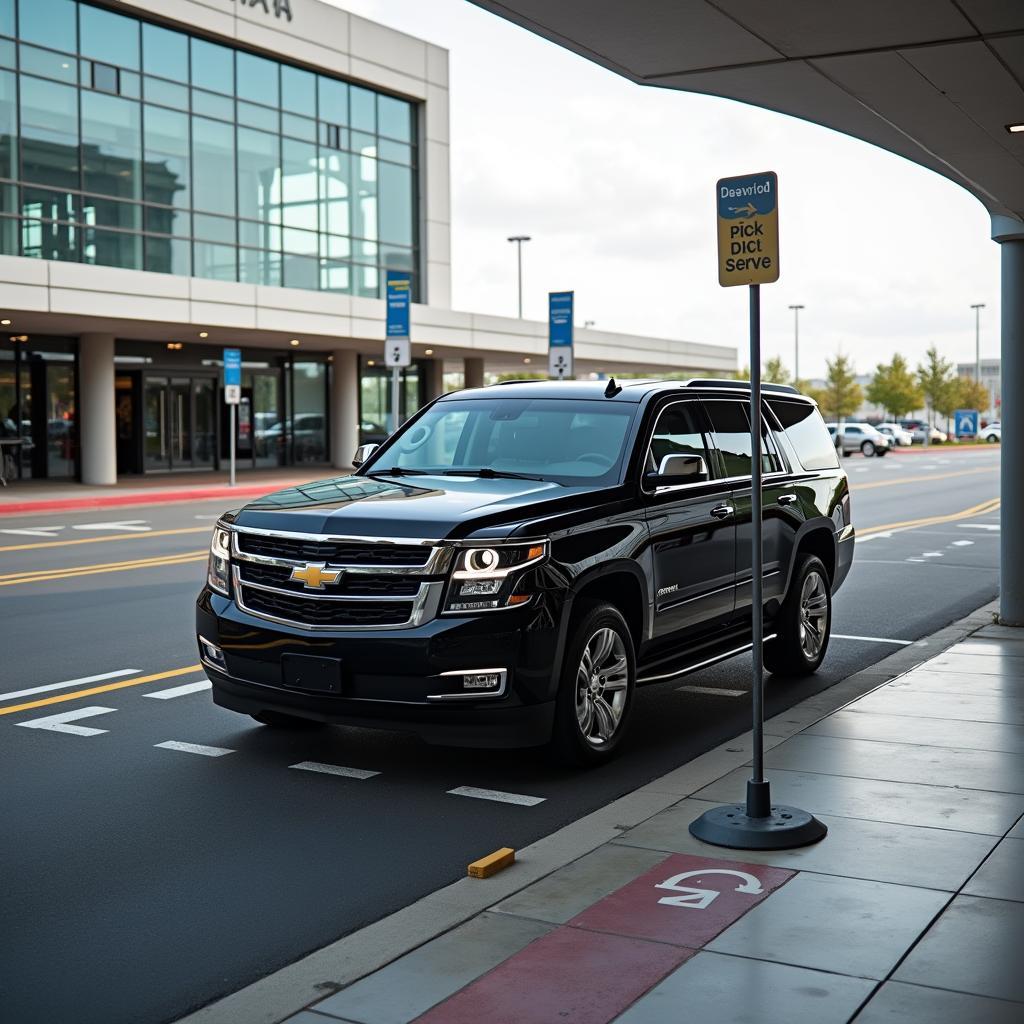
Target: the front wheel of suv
(595, 697)
(804, 622)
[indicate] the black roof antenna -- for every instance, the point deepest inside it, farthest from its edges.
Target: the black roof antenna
(613, 389)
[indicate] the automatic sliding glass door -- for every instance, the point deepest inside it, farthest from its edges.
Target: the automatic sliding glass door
(179, 418)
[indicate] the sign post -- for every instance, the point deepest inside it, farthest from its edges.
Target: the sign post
(232, 396)
(560, 339)
(397, 348)
(748, 254)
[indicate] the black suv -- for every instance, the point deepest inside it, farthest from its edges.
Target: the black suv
(509, 566)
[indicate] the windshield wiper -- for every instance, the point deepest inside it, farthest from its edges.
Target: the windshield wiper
(397, 471)
(491, 474)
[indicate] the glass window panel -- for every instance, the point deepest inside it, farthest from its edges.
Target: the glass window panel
(169, 255)
(49, 130)
(49, 240)
(335, 193)
(163, 221)
(9, 199)
(300, 242)
(111, 145)
(259, 234)
(335, 277)
(8, 125)
(213, 67)
(365, 252)
(299, 127)
(367, 281)
(397, 152)
(214, 229)
(257, 78)
(364, 211)
(61, 433)
(732, 436)
(8, 52)
(164, 52)
(104, 77)
(7, 17)
(165, 168)
(395, 258)
(364, 145)
(309, 418)
(109, 213)
(112, 249)
(219, 262)
(109, 37)
(396, 204)
(259, 266)
(259, 175)
(301, 272)
(211, 105)
(394, 118)
(299, 203)
(298, 90)
(48, 204)
(255, 116)
(58, 66)
(130, 84)
(213, 167)
(363, 109)
(49, 23)
(335, 247)
(9, 236)
(333, 95)
(167, 93)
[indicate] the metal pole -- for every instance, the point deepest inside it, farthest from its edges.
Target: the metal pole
(1011, 455)
(396, 383)
(519, 239)
(231, 447)
(977, 307)
(796, 341)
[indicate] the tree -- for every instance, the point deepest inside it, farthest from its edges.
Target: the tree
(775, 372)
(971, 394)
(894, 388)
(936, 380)
(842, 395)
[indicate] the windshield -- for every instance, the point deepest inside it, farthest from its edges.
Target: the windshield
(566, 441)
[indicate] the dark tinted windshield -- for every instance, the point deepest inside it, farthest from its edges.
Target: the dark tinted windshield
(568, 441)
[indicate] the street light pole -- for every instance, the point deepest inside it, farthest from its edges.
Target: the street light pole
(977, 307)
(796, 342)
(519, 239)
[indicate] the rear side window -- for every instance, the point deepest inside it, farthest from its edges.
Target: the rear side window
(807, 434)
(731, 427)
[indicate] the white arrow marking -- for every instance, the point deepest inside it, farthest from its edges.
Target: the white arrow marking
(36, 531)
(128, 525)
(58, 723)
(701, 899)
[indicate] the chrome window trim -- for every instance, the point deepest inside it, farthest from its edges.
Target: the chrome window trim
(670, 488)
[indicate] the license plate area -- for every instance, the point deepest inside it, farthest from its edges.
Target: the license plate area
(306, 672)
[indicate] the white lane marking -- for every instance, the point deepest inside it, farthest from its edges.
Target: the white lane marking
(194, 748)
(873, 639)
(333, 769)
(932, 554)
(35, 531)
(978, 526)
(494, 794)
(179, 691)
(126, 525)
(58, 723)
(962, 543)
(915, 559)
(70, 682)
(713, 690)
(874, 536)
(216, 515)
(861, 469)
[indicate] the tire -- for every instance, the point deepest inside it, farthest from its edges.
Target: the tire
(589, 727)
(846, 454)
(868, 449)
(881, 452)
(991, 439)
(279, 720)
(792, 652)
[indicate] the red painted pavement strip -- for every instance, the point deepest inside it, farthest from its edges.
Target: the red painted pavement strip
(568, 976)
(591, 969)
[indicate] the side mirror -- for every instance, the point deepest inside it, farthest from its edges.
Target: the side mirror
(679, 469)
(363, 452)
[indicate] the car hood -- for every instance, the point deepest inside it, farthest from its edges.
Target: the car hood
(422, 507)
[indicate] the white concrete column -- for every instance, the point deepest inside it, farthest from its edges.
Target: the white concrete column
(344, 407)
(473, 368)
(434, 383)
(96, 408)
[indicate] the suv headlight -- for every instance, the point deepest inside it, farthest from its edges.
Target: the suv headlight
(219, 572)
(485, 577)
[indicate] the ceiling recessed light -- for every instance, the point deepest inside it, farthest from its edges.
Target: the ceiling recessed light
(204, 334)
(1015, 128)
(371, 362)
(527, 359)
(6, 323)
(428, 351)
(294, 342)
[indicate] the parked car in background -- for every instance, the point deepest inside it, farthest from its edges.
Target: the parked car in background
(917, 427)
(899, 436)
(993, 433)
(859, 437)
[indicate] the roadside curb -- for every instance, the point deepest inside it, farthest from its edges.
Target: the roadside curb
(336, 966)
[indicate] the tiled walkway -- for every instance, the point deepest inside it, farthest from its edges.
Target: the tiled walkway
(911, 909)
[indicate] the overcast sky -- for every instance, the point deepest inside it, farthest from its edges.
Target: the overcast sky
(615, 183)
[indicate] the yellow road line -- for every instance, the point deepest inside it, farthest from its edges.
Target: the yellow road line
(975, 510)
(100, 540)
(137, 681)
(921, 479)
(45, 575)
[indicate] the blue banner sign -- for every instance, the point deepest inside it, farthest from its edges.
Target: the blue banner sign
(399, 293)
(232, 367)
(559, 319)
(966, 421)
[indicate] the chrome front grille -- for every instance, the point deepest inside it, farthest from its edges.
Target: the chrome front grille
(381, 584)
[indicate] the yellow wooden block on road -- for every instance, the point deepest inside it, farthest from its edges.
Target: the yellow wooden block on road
(492, 863)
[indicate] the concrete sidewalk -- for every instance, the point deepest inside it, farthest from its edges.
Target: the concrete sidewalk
(911, 909)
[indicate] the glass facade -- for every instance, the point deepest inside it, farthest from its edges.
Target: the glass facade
(127, 144)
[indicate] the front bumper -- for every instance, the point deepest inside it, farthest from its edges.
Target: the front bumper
(389, 676)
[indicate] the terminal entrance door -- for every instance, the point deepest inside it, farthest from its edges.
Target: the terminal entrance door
(180, 423)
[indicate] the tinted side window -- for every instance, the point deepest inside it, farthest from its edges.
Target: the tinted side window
(678, 432)
(731, 427)
(807, 434)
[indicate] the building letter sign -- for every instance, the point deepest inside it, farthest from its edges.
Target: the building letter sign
(279, 8)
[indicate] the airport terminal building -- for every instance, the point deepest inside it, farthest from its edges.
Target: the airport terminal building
(182, 176)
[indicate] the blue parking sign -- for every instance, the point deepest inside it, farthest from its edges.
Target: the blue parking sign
(232, 367)
(966, 422)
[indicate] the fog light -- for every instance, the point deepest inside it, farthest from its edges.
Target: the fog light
(484, 682)
(212, 653)
(481, 680)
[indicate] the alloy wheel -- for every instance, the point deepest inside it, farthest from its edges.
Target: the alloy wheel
(602, 687)
(813, 615)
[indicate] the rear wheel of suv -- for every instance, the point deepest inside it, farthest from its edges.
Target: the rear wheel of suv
(868, 449)
(804, 622)
(596, 693)
(279, 720)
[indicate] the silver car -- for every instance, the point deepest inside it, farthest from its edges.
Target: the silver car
(862, 437)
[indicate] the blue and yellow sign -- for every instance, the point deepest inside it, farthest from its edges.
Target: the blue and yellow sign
(748, 229)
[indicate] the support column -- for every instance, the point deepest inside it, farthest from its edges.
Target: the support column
(97, 409)
(344, 407)
(473, 369)
(434, 379)
(1011, 472)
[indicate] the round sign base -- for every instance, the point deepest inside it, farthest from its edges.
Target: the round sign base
(783, 828)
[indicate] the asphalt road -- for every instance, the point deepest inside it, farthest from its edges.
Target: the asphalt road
(141, 881)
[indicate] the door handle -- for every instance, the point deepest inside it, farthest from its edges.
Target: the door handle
(787, 499)
(722, 511)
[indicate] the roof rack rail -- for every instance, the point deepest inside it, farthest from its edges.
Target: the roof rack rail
(718, 382)
(521, 380)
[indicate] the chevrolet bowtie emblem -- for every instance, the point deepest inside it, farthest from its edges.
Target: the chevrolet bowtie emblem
(314, 575)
